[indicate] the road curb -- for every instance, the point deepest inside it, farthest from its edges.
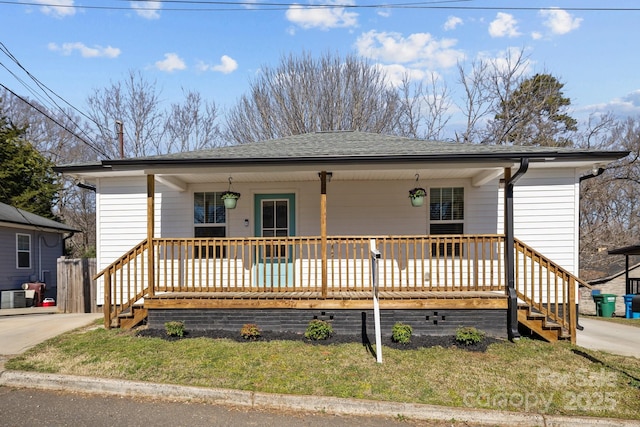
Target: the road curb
(329, 405)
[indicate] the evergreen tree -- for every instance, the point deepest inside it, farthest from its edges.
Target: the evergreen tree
(534, 114)
(27, 179)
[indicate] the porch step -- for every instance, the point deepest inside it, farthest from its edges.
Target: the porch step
(539, 324)
(132, 318)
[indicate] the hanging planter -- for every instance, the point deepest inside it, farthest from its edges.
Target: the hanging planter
(230, 198)
(417, 196)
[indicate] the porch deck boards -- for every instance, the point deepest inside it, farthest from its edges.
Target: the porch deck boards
(342, 299)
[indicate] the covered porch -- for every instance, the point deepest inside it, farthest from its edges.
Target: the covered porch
(414, 273)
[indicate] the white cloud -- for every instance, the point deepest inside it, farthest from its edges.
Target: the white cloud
(324, 18)
(536, 35)
(508, 60)
(171, 63)
(560, 21)
(417, 47)
(452, 23)
(57, 8)
(85, 51)
(396, 73)
(385, 13)
(626, 106)
(227, 65)
(505, 25)
(147, 9)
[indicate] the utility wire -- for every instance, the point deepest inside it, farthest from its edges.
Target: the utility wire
(63, 126)
(252, 6)
(45, 89)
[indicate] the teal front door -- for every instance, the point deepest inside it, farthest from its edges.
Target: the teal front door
(275, 217)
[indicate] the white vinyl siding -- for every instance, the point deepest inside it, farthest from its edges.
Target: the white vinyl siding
(546, 214)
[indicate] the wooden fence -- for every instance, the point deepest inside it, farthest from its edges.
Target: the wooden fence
(76, 287)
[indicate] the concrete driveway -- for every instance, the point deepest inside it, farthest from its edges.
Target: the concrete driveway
(21, 329)
(610, 337)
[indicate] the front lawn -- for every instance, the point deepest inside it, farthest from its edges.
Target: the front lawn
(529, 375)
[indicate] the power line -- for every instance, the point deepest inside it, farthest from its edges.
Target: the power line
(46, 90)
(252, 6)
(42, 86)
(39, 110)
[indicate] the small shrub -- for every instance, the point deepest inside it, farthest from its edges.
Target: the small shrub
(250, 331)
(174, 328)
(318, 330)
(469, 335)
(401, 333)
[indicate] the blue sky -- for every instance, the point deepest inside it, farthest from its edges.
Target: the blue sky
(217, 49)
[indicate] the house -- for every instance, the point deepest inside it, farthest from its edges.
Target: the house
(495, 244)
(615, 284)
(29, 248)
(625, 282)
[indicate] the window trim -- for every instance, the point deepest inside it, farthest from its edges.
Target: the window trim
(208, 224)
(19, 251)
(451, 249)
(209, 251)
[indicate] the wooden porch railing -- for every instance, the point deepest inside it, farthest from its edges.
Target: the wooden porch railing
(294, 264)
(291, 264)
(445, 263)
(124, 282)
(546, 287)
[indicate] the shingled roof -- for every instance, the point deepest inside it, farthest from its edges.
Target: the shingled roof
(352, 146)
(12, 215)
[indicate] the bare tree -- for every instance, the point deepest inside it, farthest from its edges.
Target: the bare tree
(192, 125)
(610, 203)
(477, 99)
(304, 94)
(136, 102)
(504, 77)
(426, 108)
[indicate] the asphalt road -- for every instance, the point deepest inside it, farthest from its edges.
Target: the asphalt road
(27, 407)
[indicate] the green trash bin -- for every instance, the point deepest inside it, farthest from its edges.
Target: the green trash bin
(605, 304)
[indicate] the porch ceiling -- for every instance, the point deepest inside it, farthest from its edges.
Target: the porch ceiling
(443, 171)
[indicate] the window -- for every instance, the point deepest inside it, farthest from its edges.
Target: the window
(23, 250)
(209, 218)
(446, 216)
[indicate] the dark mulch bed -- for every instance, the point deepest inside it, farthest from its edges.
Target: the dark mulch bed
(417, 342)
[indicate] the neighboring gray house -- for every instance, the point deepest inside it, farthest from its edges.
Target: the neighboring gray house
(29, 248)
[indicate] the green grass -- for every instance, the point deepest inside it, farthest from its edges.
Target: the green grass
(528, 375)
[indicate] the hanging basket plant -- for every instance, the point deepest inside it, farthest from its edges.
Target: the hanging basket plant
(417, 196)
(230, 198)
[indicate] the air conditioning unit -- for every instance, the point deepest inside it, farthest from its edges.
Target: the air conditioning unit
(13, 299)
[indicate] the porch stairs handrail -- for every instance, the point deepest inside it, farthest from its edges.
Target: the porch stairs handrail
(548, 294)
(132, 285)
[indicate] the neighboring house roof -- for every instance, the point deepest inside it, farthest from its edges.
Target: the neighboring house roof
(612, 276)
(11, 216)
(351, 147)
(627, 250)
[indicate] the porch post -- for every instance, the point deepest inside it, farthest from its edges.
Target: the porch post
(323, 230)
(509, 237)
(151, 190)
